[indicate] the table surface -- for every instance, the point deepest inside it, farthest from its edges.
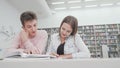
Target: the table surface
(60, 63)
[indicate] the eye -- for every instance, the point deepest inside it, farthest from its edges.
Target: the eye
(63, 28)
(35, 25)
(28, 26)
(68, 31)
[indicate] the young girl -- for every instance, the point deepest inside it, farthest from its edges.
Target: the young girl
(67, 43)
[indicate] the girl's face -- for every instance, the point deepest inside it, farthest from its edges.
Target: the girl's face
(65, 30)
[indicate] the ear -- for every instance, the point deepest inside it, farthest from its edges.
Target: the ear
(23, 27)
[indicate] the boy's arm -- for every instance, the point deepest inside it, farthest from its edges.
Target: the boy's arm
(39, 48)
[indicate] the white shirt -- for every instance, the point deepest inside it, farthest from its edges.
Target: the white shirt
(74, 46)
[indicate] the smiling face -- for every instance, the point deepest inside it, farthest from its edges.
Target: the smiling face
(31, 27)
(65, 30)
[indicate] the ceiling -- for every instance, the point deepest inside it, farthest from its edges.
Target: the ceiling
(79, 4)
(45, 7)
(38, 6)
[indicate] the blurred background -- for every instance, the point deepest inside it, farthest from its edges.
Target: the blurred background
(99, 21)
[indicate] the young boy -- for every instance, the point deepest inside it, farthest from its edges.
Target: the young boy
(29, 40)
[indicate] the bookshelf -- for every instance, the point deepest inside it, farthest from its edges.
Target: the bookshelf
(94, 36)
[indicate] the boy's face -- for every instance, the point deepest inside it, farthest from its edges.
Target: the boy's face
(31, 27)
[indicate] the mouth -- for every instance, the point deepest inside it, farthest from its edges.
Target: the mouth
(64, 35)
(33, 32)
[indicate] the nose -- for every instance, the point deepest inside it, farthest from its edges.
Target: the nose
(64, 32)
(33, 28)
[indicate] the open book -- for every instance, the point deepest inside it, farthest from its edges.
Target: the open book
(24, 55)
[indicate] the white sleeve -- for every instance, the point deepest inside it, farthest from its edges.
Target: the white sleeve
(50, 46)
(83, 51)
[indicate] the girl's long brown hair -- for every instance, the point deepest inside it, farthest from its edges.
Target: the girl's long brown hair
(72, 21)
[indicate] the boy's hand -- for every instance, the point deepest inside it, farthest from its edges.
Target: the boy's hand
(24, 36)
(33, 50)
